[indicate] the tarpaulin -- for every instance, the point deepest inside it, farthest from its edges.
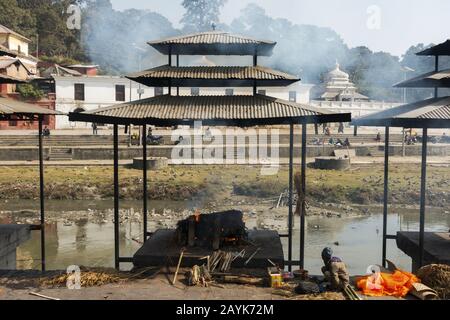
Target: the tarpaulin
(395, 284)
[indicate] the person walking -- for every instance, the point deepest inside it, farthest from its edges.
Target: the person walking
(94, 129)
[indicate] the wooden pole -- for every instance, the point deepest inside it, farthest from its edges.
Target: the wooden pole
(291, 173)
(302, 214)
(116, 197)
(386, 192)
(41, 193)
(422, 196)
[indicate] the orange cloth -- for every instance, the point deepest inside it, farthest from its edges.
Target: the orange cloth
(396, 284)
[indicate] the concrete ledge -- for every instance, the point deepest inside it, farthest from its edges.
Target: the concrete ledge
(11, 236)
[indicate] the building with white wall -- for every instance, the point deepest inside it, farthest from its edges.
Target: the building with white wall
(84, 93)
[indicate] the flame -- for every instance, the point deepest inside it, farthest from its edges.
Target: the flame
(197, 216)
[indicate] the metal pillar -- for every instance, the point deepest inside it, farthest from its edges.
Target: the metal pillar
(178, 64)
(144, 178)
(291, 172)
(385, 195)
(303, 193)
(116, 197)
(436, 69)
(41, 194)
(423, 179)
(355, 131)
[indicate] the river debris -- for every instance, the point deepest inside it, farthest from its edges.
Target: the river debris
(436, 276)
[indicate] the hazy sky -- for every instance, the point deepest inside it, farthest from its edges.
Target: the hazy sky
(395, 24)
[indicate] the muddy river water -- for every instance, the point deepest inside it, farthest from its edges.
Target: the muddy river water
(89, 242)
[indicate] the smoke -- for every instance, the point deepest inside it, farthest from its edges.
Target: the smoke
(117, 40)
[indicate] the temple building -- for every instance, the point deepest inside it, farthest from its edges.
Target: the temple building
(338, 87)
(339, 94)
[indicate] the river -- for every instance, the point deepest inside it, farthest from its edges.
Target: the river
(87, 242)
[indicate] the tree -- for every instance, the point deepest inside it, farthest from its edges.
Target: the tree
(201, 14)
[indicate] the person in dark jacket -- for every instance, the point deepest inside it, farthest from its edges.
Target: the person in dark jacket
(334, 270)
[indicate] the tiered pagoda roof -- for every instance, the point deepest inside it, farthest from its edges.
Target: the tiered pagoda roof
(430, 113)
(167, 110)
(213, 77)
(245, 110)
(213, 43)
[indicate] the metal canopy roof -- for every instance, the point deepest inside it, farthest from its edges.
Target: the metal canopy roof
(246, 76)
(431, 113)
(440, 79)
(170, 110)
(10, 107)
(10, 80)
(213, 43)
(442, 49)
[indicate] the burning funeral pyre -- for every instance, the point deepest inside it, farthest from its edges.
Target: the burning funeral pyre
(213, 231)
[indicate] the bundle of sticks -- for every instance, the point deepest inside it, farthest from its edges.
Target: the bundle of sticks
(221, 260)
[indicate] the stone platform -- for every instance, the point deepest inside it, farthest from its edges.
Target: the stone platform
(162, 248)
(436, 247)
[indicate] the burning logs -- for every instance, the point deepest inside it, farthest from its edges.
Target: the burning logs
(212, 230)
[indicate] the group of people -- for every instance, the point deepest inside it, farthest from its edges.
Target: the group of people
(327, 129)
(339, 142)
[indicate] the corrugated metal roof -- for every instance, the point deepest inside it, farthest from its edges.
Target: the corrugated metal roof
(212, 37)
(209, 107)
(241, 73)
(428, 113)
(213, 43)
(442, 49)
(433, 79)
(11, 80)
(11, 107)
(437, 113)
(6, 30)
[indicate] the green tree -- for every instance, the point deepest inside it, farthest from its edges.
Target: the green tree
(200, 15)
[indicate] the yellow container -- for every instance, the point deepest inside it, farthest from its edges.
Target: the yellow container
(276, 280)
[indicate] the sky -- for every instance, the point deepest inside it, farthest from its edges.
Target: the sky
(382, 25)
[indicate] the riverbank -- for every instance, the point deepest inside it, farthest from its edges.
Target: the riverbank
(362, 184)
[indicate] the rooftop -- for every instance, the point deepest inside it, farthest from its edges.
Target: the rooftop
(431, 113)
(442, 49)
(6, 30)
(10, 107)
(167, 110)
(440, 79)
(213, 43)
(212, 76)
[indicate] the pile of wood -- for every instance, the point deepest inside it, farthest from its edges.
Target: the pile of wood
(220, 260)
(437, 277)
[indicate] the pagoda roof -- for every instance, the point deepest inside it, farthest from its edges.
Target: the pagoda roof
(431, 113)
(215, 76)
(213, 43)
(440, 79)
(168, 110)
(442, 49)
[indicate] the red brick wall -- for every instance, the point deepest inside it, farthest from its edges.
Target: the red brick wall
(48, 103)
